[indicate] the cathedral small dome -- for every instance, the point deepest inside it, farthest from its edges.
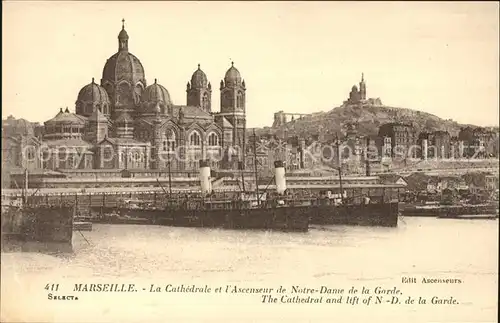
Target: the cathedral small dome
(94, 93)
(354, 88)
(155, 96)
(92, 96)
(199, 79)
(233, 76)
(156, 93)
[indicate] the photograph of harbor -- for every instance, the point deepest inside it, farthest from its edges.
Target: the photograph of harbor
(184, 144)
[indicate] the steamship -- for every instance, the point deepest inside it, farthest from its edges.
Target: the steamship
(278, 210)
(238, 211)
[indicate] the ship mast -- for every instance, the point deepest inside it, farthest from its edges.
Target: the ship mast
(337, 143)
(241, 166)
(367, 158)
(243, 161)
(126, 157)
(25, 187)
(170, 178)
(255, 166)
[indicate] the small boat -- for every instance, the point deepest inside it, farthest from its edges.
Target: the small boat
(471, 217)
(454, 211)
(115, 218)
(82, 226)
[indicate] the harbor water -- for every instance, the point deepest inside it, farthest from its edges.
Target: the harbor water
(331, 256)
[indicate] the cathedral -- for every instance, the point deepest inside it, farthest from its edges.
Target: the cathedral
(124, 123)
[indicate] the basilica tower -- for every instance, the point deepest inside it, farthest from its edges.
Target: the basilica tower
(232, 98)
(362, 87)
(199, 91)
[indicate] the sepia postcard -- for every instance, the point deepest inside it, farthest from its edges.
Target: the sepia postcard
(250, 161)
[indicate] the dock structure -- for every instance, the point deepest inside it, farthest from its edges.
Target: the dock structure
(115, 197)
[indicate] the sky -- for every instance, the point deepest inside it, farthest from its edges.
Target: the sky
(299, 57)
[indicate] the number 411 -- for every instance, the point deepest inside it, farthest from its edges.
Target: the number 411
(52, 287)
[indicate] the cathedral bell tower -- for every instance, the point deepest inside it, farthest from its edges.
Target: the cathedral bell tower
(199, 91)
(232, 98)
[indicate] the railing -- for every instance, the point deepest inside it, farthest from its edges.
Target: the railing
(89, 200)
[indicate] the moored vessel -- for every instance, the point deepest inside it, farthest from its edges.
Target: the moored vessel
(451, 211)
(279, 210)
(450, 207)
(361, 209)
(37, 229)
(249, 210)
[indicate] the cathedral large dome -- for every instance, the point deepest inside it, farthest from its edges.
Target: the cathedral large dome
(92, 96)
(123, 65)
(123, 78)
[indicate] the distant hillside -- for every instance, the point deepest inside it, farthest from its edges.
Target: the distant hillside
(368, 117)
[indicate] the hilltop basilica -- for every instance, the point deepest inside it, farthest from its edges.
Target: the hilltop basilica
(125, 123)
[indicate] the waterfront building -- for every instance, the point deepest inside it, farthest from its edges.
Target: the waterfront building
(436, 144)
(403, 139)
(478, 142)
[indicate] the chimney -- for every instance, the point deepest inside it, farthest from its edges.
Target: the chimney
(279, 174)
(205, 177)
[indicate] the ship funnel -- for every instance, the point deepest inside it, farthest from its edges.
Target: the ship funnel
(279, 174)
(205, 180)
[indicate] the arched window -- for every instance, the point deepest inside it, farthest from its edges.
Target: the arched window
(170, 140)
(88, 108)
(194, 139)
(124, 95)
(227, 100)
(213, 139)
(239, 100)
(204, 102)
(71, 161)
(137, 94)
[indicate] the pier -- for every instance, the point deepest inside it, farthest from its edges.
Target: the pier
(113, 197)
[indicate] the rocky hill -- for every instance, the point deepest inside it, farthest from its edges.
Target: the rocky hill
(368, 117)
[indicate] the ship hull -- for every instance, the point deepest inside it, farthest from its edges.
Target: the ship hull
(290, 219)
(280, 219)
(454, 211)
(275, 219)
(37, 229)
(376, 214)
(110, 215)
